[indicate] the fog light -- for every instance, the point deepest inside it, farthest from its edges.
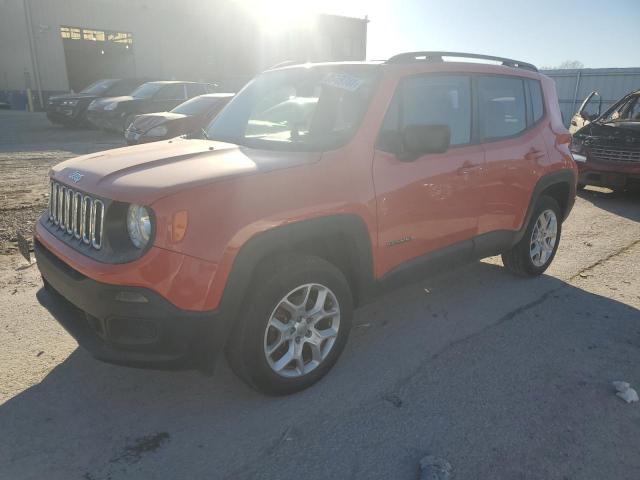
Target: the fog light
(131, 297)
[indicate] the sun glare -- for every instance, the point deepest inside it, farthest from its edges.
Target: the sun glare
(276, 15)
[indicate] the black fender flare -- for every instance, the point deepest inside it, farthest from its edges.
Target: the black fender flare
(560, 177)
(350, 228)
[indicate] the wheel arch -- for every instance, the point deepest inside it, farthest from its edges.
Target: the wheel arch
(561, 186)
(342, 240)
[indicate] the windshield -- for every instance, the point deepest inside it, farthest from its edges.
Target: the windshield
(101, 86)
(121, 88)
(302, 108)
(196, 105)
(627, 110)
(146, 90)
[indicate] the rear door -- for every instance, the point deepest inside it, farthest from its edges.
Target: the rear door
(510, 131)
(432, 202)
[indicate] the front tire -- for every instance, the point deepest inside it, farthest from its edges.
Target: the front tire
(294, 327)
(533, 254)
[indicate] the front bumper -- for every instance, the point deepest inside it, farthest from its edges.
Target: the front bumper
(127, 325)
(63, 115)
(107, 120)
(610, 175)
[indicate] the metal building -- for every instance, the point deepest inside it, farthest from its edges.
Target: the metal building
(573, 86)
(53, 46)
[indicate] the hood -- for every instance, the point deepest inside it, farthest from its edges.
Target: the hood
(614, 132)
(71, 96)
(144, 173)
(100, 103)
(146, 122)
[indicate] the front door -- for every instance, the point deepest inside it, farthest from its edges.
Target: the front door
(432, 202)
(588, 111)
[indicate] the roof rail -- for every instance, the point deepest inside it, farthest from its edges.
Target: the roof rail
(410, 57)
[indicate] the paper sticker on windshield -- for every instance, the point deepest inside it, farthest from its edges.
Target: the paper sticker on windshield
(344, 81)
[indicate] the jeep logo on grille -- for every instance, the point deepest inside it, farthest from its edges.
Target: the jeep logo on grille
(76, 176)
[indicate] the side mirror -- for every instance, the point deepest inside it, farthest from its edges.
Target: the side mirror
(418, 140)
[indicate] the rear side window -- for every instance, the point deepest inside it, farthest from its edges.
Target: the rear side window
(501, 106)
(429, 100)
(537, 105)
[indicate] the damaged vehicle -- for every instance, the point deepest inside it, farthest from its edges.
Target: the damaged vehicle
(607, 149)
(188, 118)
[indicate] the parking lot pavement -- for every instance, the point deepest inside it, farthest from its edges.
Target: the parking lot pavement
(501, 376)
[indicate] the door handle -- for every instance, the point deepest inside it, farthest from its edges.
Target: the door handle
(468, 167)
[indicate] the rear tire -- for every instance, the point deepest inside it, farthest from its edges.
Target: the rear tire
(533, 254)
(278, 323)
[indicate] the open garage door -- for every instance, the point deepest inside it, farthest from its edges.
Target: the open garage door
(94, 54)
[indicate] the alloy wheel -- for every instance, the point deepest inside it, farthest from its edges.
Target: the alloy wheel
(302, 330)
(543, 238)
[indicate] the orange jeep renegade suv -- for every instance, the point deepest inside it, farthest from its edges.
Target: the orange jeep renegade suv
(315, 187)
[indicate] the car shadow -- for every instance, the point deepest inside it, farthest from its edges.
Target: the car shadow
(87, 418)
(625, 204)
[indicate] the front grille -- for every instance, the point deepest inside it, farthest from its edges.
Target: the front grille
(606, 154)
(78, 215)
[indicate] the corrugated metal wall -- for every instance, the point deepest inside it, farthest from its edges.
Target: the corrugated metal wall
(574, 85)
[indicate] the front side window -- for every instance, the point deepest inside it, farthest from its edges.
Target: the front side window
(302, 108)
(501, 104)
(439, 100)
(429, 100)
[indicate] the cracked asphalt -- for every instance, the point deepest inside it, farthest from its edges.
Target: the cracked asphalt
(505, 378)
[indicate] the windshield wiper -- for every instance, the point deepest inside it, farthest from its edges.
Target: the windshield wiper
(204, 134)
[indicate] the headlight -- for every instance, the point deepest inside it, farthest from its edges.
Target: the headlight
(159, 131)
(70, 103)
(577, 150)
(139, 225)
(111, 106)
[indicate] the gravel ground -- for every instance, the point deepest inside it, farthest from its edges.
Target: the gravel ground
(506, 378)
(29, 146)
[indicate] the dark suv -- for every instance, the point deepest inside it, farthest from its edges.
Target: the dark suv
(119, 112)
(70, 109)
(607, 149)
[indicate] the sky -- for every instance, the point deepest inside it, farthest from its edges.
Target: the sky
(543, 32)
